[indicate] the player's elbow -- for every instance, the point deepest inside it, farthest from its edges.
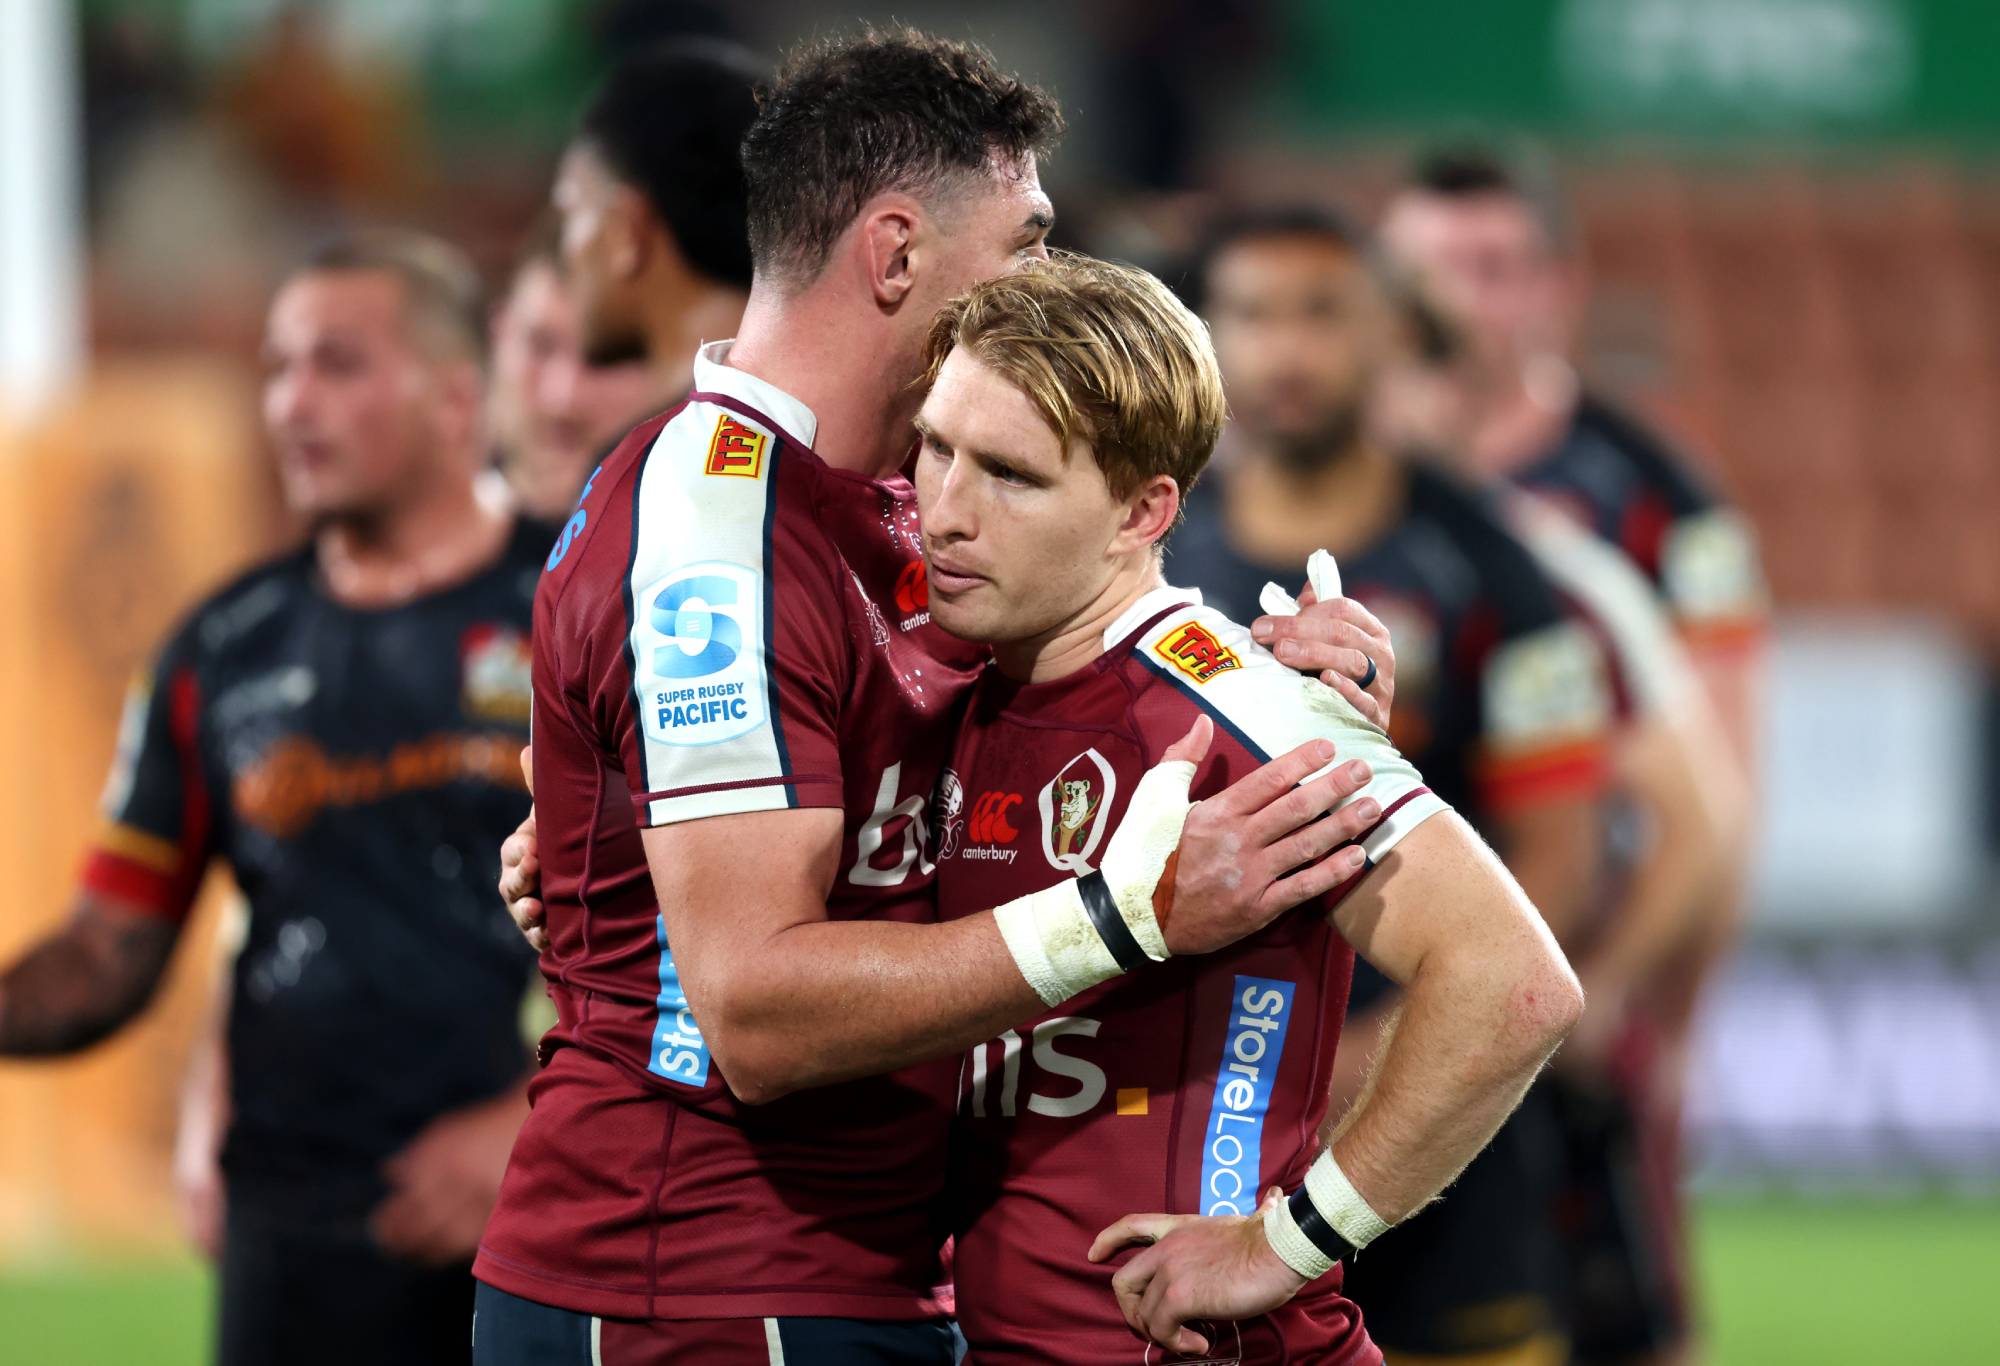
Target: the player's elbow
(758, 1065)
(1544, 1002)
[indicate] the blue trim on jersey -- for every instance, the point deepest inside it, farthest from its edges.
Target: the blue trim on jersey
(1193, 692)
(680, 1053)
(1253, 1043)
(776, 454)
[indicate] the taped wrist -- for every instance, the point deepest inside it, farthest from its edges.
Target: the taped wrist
(1069, 937)
(1322, 1222)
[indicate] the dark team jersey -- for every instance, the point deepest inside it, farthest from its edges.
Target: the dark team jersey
(357, 770)
(1501, 695)
(1618, 478)
(1189, 1086)
(727, 625)
(1502, 702)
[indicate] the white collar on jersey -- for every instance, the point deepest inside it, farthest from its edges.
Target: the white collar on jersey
(1159, 600)
(713, 374)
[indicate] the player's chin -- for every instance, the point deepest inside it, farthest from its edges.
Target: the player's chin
(960, 614)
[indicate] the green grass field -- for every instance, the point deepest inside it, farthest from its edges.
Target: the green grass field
(1784, 1283)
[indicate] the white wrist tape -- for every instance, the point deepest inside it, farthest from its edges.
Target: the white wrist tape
(1055, 941)
(1321, 572)
(1337, 1204)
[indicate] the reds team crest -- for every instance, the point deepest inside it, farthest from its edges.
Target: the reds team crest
(1073, 809)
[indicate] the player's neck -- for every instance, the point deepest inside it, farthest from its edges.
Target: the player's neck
(1278, 514)
(443, 534)
(855, 381)
(679, 320)
(1079, 641)
(1520, 415)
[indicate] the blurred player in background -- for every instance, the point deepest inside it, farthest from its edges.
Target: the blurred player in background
(553, 414)
(1071, 405)
(1673, 821)
(1492, 245)
(650, 194)
(743, 710)
(1503, 705)
(341, 725)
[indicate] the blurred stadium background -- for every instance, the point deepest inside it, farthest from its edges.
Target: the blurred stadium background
(1791, 210)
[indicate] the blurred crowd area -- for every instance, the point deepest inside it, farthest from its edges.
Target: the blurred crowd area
(1789, 214)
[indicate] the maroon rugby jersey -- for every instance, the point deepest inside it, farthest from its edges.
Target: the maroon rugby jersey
(727, 625)
(1187, 1086)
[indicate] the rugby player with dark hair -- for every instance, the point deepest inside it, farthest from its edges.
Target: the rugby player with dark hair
(1489, 238)
(340, 726)
(736, 1148)
(1504, 706)
(650, 193)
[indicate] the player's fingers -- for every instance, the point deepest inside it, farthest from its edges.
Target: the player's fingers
(1129, 1285)
(528, 770)
(1322, 656)
(1191, 747)
(1268, 782)
(1305, 803)
(1313, 880)
(1320, 840)
(1369, 705)
(1133, 1228)
(1165, 1318)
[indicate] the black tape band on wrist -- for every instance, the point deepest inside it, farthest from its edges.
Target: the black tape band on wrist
(1313, 1224)
(1110, 925)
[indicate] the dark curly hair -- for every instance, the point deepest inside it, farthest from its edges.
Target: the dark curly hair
(847, 118)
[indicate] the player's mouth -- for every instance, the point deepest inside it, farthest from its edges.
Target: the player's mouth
(947, 577)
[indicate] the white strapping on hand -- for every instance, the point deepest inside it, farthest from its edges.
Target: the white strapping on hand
(1321, 572)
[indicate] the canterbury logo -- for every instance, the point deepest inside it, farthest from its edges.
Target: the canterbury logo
(735, 449)
(988, 824)
(913, 588)
(1195, 651)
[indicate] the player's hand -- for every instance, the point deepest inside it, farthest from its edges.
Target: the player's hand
(1262, 845)
(198, 1187)
(1196, 1267)
(521, 872)
(443, 1184)
(1335, 640)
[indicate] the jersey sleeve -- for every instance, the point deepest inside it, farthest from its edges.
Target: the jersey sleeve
(1700, 552)
(1545, 714)
(729, 664)
(1270, 709)
(157, 833)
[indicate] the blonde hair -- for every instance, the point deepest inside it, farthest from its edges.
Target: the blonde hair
(1108, 356)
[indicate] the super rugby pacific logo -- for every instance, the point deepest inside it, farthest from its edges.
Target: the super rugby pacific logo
(699, 654)
(1073, 805)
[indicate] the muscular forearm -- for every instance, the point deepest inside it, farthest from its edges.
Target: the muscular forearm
(81, 983)
(1468, 1039)
(870, 996)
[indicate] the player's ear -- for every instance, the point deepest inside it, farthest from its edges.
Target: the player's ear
(1150, 510)
(888, 234)
(626, 240)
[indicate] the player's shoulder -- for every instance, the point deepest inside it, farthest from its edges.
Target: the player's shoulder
(258, 598)
(1511, 579)
(1659, 465)
(1210, 659)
